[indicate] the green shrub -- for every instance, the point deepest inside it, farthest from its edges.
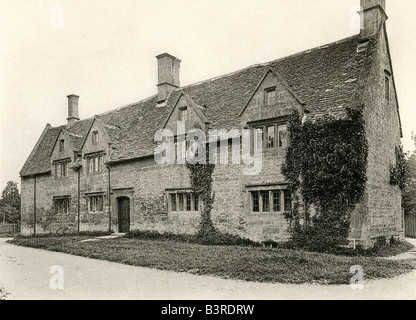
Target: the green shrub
(214, 238)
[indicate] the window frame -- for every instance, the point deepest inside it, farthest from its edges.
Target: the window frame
(284, 143)
(183, 111)
(185, 201)
(60, 203)
(95, 137)
(267, 100)
(264, 125)
(258, 196)
(61, 168)
(268, 146)
(95, 163)
(95, 201)
(61, 145)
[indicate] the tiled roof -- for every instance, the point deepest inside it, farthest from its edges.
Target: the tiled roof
(326, 79)
(39, 161)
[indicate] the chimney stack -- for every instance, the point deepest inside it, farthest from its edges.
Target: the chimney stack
(373, 17)
(72, 109)
(168, 75)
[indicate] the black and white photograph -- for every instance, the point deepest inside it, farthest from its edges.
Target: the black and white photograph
(207, 154)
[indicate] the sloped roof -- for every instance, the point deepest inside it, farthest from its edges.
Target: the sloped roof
(39, 161)
(326, 79)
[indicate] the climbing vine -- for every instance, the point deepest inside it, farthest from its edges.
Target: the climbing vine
(201, 182)
(399, 174)
(326, 168)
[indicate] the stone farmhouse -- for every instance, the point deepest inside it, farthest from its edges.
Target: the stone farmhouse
(100, 173)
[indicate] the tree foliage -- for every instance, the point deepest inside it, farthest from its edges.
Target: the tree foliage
(399, 174)
(409, 191)
(10, 203)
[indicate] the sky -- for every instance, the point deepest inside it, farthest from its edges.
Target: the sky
(104, 51)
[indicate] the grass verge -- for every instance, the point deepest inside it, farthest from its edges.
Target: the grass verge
(236, 262)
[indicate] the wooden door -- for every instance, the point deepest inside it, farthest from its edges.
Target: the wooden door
(123, 214)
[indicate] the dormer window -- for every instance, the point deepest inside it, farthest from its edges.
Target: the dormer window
(61, 145)
(95, 137)
(270, 96)
(183, 114)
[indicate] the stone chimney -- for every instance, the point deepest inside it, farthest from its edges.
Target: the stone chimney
(168, 75)
(72, 109)
(373, 17)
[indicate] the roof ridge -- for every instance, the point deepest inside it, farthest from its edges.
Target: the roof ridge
(223, 76)
(270, 62)
(127, 105)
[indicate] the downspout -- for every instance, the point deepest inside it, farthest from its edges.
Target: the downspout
(34, 205)
(79, 196)
(109, 197)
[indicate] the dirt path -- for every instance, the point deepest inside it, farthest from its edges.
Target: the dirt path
(25, 274)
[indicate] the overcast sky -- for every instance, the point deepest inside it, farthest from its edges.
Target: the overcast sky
(104, 51)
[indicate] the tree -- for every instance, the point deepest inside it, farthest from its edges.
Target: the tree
(409, 193)
(10, 203)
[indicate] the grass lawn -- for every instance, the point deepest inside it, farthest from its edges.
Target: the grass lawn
(236, 262)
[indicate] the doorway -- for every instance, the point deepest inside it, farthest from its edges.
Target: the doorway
(123, 204)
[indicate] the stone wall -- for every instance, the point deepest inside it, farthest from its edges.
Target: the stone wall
(379, 213)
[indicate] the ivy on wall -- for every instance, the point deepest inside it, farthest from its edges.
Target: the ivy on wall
(326, 168)
(201, 182)
(399, 174)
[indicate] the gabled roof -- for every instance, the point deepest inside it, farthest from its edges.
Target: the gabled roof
(326, 80)
(73, 139)
(282, 81)
(195, 107)
(39, 160)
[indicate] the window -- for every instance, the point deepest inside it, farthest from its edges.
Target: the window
(61, 169)
(387, 87)
(270, 96)
(282, 135)
(188, 202)
(276, 200)
(180, 200)
(258, 138)
(95, 163)
(270, 137)
(95, 204)
(265, 199)
(288, 200)
(256, 207)
(95, 137)
(61, 145)
(183, 201)
(61, 205)
(173, 202)
(271, 200)
(183, 114)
